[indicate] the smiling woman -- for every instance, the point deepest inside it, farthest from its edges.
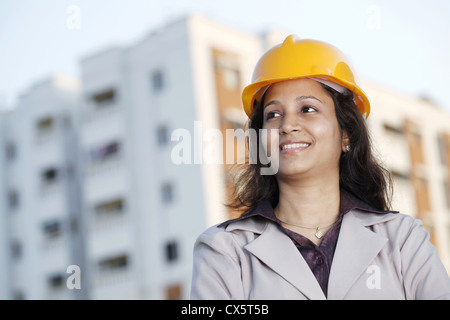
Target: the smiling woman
(309, 141)
(321, 226)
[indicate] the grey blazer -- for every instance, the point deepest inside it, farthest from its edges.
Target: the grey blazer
(378, 256)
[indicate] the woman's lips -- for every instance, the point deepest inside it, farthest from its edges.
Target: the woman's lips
(293, 146)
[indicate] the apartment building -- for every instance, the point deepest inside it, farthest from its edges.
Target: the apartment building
(139, 229)
(91, 179)
(143, 210)
(39, 186)
(411, 136)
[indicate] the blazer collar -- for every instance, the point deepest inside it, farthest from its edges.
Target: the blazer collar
(278, 252)
(348, 203)
(357, 246)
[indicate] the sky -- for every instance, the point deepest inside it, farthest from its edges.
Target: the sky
(402, 44)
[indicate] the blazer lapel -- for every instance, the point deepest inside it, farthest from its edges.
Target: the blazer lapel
(357, 246)
(277, 251)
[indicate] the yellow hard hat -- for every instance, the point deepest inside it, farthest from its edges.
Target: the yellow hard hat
(303, 58)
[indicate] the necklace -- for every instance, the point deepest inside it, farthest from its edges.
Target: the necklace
(318, 234)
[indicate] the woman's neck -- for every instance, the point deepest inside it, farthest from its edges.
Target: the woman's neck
(310, 205)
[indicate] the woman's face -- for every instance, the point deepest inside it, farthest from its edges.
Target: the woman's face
(309, 138)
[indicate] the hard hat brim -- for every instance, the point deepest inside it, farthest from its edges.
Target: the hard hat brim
(253, 91)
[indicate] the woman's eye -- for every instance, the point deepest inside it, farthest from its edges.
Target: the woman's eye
(308, 109)
(272, 114)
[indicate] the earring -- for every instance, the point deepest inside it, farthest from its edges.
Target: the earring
(348, 147)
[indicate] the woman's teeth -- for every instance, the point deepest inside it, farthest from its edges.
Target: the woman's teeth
(294, 145)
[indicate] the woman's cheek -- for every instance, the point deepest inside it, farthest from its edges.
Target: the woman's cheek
(270, 141)
(269, 151)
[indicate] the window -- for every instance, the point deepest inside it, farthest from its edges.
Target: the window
(171, 249)
(45, 125)
(173, 292)
(105, 151)
(390, 129)
(114, 263)
(422, 195)
(158, 81)
(49, 175)
(444, 148)
(16, 249)
(447, 193)
(104, 98)
(52, 229)
(10, 151)
(55, 281)
(167, 193)
(162, 135)
(416, 149)
(401, 176)
(231, 78)
(13, 199)
(18, 294)
(226, 67)
(414, 138)
(111, 207)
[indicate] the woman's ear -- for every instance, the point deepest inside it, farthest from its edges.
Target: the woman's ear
(345, 141)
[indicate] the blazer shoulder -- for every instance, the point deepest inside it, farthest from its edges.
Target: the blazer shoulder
(391, 218)
(236, 233)
(211, 234)
(407, 226)
(398, 227)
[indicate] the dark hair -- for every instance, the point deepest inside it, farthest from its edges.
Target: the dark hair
(359, 171)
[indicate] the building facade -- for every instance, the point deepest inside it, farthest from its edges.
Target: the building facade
(119, 176)
(411, 136)
(40, 239)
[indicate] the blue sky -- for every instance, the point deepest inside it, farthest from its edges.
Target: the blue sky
(402, 44)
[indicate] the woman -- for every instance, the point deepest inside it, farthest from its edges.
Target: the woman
(321, 226)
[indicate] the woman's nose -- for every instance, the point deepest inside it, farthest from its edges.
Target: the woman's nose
(290, 123)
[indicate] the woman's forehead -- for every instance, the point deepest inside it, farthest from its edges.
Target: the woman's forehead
(295, 86)
(296, 90)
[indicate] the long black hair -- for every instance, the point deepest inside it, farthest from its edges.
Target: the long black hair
(360, 173)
